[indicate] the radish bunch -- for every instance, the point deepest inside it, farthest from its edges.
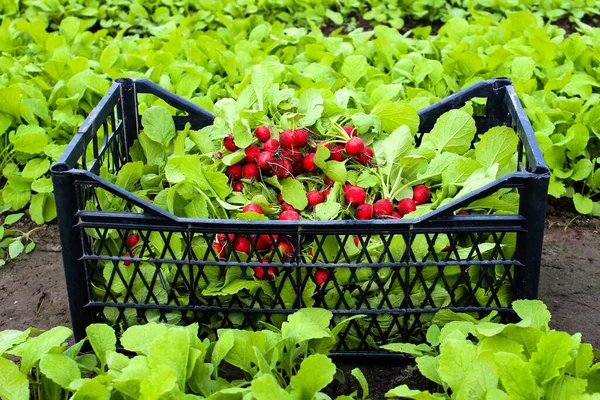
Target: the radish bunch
(271, 157)
(384, 208)
(293, 155)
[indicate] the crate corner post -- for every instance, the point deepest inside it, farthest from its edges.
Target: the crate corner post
(127, 111)
(532, 207)
(72, 248)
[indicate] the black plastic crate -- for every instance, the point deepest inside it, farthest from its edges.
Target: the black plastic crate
(396, 288)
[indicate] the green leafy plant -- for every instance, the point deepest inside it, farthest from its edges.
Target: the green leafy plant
(171, 362)
(481, 359)
(58, 61)
(14, 242)
(467, 358)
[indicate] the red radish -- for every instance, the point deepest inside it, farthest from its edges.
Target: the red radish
(287, 139)
(288, 207)
(222, 237)
(298, 169)
(383, 208)
(355, 146)
(238, 186)
(219, 155)
(321, 276)
(421, 194)
(308, 162)
(262, 133)
(395, 215)
(300, 137)
(293, 156)
(283, 168)
(286, 250)
(279, 198)
(253, 208)
(350, 130)
(446, 249)
(219, 249)
(364, 211)
(366, 156)
(356, 241)
(259, 272)
(264, 160)
(229, 143)
(406, 206)
(355, 195)
(329, 181)
(251, 153)
(272, 273)
(250, 171)
(234, 171)
(326, 192)
(263, 242)
(462, 212)
(127, 263)
(314, 197)
(242, 245)
(336, 153)
(289, 215)
(132, 240)
(347, 186)
(166, 184)
(271, 145)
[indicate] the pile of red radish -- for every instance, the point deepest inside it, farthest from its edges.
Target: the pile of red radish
(293, 154)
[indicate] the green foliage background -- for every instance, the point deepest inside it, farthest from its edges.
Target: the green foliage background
(57, 59)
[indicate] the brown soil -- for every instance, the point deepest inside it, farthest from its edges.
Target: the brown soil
(32, 287)
(570, 280)
(571, 27)
(32, 293)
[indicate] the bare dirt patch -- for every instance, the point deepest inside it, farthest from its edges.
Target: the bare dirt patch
(32, 287)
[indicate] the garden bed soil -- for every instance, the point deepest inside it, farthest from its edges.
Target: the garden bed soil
(32, 293)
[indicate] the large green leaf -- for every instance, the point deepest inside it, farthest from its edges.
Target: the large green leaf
(316, 372)
(403, 391)
(453, 132)
(533, 313)
(267, 388)
(172, 353)
(103, 340)
(293, 192)
(306, 324)
(394, 115)
(59, 368)
(10, 338)
(497, 145)
(139, 338)
(33, 349)
(14, 384)
(554, 352)
(158, 125)
(516, 377)
(456, 357)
